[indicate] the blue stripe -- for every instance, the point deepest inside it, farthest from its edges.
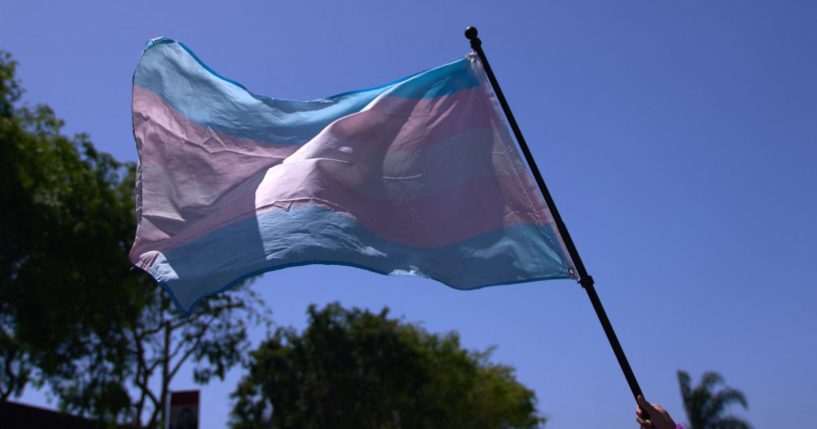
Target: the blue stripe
(437, 82)
(171, 70)
(315, 235)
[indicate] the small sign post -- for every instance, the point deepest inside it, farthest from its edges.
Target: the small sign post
(183, 410)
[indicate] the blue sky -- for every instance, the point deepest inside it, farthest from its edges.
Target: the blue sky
(678, 138)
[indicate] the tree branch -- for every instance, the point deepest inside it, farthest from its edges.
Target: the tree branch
(187, 354)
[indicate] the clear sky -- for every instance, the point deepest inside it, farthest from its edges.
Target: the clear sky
(679, 140)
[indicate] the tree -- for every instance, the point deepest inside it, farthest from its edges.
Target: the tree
(73, 315)
(356, 369)
(63, 232)
(129, 381)
(707, 407)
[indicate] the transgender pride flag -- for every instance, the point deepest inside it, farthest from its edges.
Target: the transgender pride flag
(419, 176)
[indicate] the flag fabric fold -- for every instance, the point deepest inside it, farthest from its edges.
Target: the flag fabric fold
(419, 176)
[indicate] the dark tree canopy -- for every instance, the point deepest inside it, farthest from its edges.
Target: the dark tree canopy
(64, 226)
(356, 369)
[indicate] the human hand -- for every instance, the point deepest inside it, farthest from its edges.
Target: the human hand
(652, 416)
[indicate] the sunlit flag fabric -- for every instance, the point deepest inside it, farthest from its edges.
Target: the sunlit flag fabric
(419, 176)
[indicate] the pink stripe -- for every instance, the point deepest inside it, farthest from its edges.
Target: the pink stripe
(189, 169)
(472, 109)
(419, 122)
(201, 180)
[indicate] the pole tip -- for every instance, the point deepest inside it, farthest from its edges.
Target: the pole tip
(471, 33)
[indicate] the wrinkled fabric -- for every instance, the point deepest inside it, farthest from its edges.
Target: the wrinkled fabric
(419, 177)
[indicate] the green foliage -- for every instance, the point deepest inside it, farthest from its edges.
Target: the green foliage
(708, 408)
(356, 369)
(73, 315)
(129, 380)
(66, 216)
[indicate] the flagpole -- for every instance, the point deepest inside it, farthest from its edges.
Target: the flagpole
(584, 278)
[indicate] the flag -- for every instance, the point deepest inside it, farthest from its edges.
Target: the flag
(418, 177)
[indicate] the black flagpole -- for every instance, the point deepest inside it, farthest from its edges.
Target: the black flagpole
(584, 278)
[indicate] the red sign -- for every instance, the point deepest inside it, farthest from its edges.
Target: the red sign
(184, 410)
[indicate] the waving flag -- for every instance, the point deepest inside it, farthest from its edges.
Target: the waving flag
(419, 176)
